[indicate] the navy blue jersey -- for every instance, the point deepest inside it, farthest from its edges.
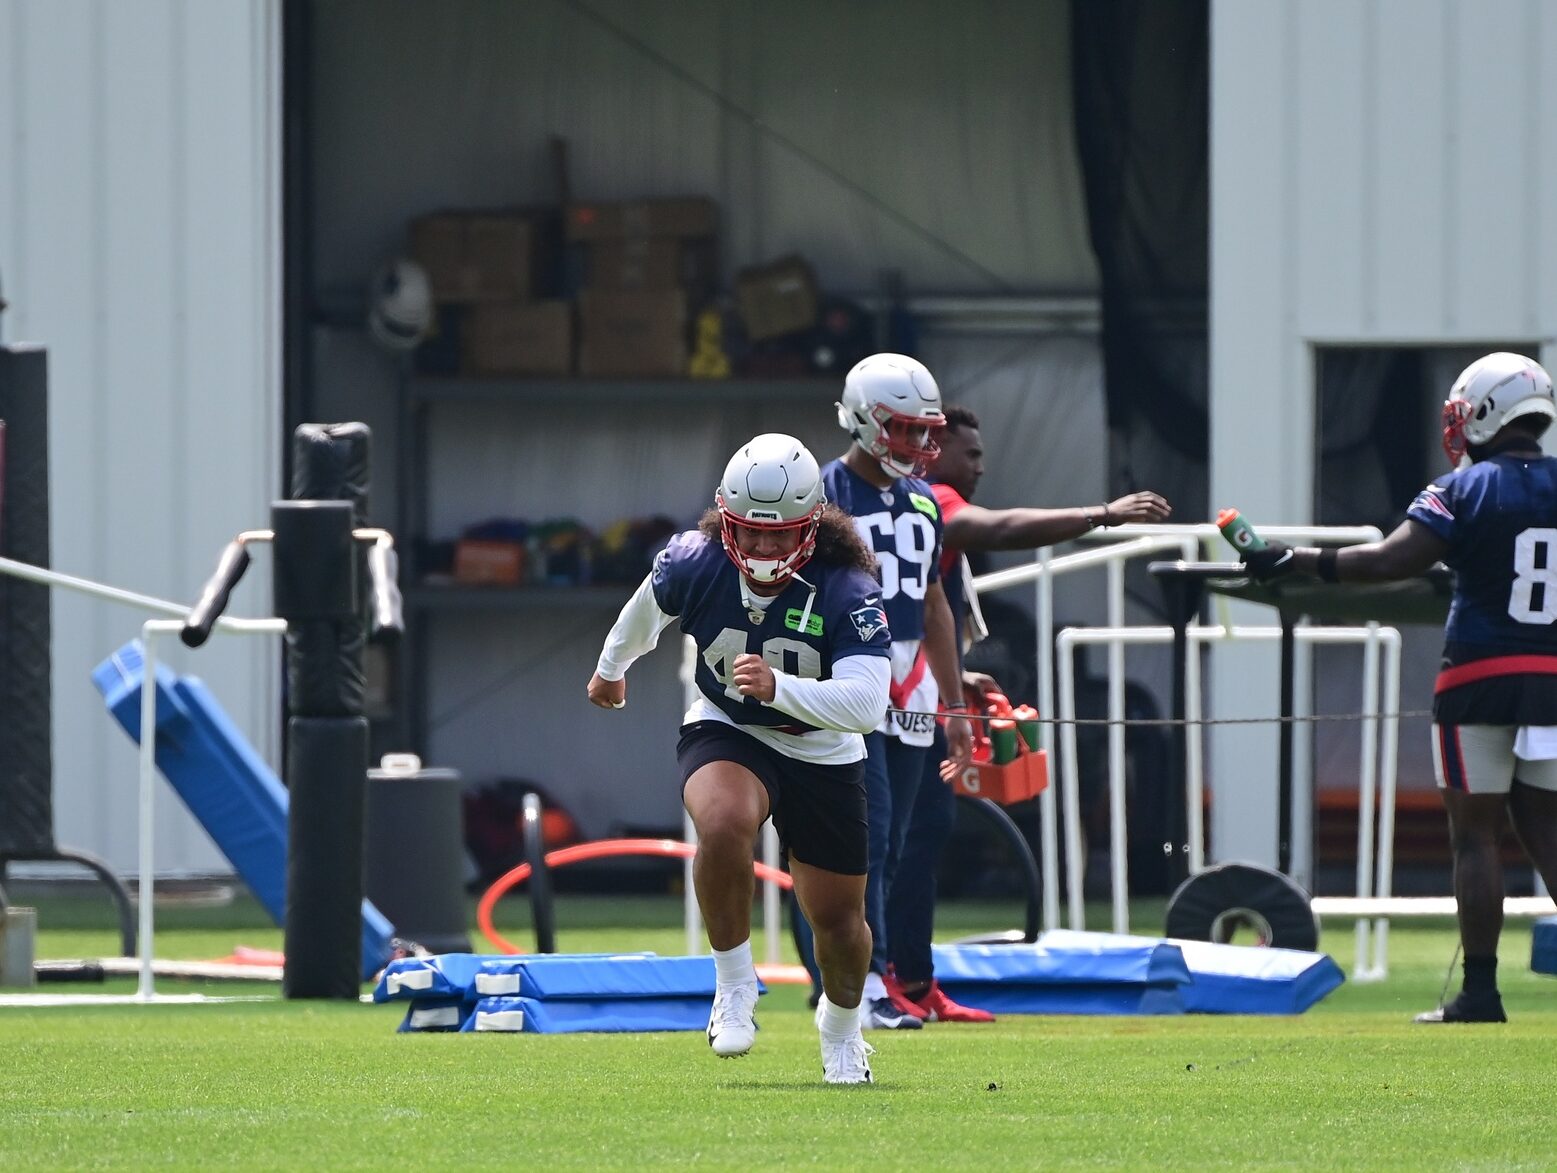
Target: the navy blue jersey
(694, 580)
(902, 524)
(1499, 518)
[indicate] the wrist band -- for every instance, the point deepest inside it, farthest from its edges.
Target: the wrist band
(956, 707)
(1326, 567)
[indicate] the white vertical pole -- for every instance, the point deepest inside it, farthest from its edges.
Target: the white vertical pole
(1069, 772)
(1118, 827)
(692, 915)
(1388, 769)
(1194, 758)
(1048, 810)
(1367, 788)
(770, 895)
(145, 989)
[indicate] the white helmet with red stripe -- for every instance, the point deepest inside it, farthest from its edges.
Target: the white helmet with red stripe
(1490, 393)
(771, 485)
(892, 408)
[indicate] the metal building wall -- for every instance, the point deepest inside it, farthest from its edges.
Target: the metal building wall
(1382, 173)
(139, 241)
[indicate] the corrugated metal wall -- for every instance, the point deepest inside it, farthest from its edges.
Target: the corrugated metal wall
(139, 241)
(1382, 173)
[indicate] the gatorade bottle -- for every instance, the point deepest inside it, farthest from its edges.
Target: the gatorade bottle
(1026, 718)
(1238, 531)
(1002, 740)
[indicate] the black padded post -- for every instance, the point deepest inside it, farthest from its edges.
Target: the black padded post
(26, 727)
(319, 592)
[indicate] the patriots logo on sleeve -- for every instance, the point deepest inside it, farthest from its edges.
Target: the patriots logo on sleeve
(1430, 500)
(868, 621)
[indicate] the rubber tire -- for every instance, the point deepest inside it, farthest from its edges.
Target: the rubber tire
(1199, 901)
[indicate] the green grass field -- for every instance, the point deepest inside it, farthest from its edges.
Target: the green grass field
(270, 1084)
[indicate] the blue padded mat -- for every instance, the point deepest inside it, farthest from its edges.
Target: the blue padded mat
(1065, 958)
(1067, 972)
(1250, 979)
(438, 1015)
(598, 978)
(223, 782)
(1543, 945)
(571, 1015)
(473, 975)
(1050, 997)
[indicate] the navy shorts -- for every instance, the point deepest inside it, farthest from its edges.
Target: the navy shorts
(818, 811)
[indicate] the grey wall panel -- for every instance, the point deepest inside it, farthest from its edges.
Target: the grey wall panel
(1381, 174)
(139, 243)
(931, 139)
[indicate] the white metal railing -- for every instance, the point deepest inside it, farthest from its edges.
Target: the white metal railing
(1376, 778)
(1116, 544)
(150, 630)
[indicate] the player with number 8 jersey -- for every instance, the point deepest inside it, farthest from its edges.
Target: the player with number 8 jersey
(1493, 520)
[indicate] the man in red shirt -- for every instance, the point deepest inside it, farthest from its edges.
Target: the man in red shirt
(954, 479)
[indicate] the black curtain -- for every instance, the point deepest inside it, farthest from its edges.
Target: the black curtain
(1142, 90)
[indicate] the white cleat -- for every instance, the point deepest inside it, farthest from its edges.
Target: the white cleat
(848, 1061)
(732, 1027)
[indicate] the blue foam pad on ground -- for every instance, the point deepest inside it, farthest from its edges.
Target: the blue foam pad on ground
(471, 975)
(444, 1015)
(1065, 958)
(1009, 997)
(1251, 979)
(1066, 973)
(448, 975)
(1543, 945)
(571, 1015)
(599, 978)
(224, 783)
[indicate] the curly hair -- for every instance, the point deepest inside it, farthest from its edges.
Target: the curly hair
(838, 543)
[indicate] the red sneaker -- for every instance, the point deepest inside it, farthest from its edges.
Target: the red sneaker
(901, 1000)
(939, 1008)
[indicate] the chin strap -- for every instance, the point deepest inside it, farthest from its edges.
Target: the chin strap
(805, 614)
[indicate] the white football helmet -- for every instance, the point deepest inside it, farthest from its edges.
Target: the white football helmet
(892, 408)
(1488, 394)
(771, 485)
(400, 305)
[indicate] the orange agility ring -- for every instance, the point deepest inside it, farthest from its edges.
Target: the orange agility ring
(600, 849)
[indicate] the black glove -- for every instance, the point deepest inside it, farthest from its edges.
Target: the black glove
(1273, 562)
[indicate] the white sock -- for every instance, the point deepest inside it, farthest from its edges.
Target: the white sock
(838, 1023)
(874, 987)
(734, 966)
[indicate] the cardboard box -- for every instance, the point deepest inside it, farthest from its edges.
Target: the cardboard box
(518, 338)
(686, 216)
(1016, 781)
(777, 299)
(632, 332)
(488, 563)
(648, 262)
(477, 256)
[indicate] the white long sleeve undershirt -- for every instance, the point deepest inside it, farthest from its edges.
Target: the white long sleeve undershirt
(845, 706)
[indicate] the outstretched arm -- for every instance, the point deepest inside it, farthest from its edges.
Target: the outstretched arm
(635, 632)
(975, 528)
(1405, 553)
